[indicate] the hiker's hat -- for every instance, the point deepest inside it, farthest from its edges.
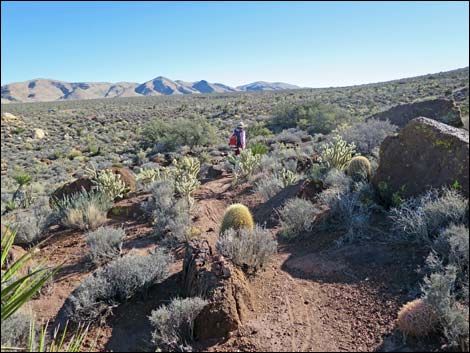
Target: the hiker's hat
(241, 124)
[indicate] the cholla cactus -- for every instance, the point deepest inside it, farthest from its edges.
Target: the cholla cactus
(151, 175)
(288, 177)
(111, 184)
(338, 153)
(359, 168)
(417, 318)
(245, 164)
(185, 175)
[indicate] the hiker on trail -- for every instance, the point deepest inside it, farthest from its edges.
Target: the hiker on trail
(238, 139)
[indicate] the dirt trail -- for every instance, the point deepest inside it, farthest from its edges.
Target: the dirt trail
(311, 297)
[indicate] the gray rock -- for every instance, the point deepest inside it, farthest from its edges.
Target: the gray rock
(425, 154)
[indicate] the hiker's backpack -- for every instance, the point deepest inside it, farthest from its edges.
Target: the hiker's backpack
(235, 140)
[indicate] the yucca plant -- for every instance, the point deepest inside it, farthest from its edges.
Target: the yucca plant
(17, 290)
(22, 179)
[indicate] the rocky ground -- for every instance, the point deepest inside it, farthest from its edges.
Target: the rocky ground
(313, 296)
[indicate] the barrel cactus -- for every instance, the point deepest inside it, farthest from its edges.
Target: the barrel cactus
(237, 216)
(359, 168)
(417, 318)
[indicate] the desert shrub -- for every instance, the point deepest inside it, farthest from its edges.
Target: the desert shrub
(248, 248)
(451, 247)
(350, 210)
(83, 210)
(169, 135)
(337, 153)
(268, 186)
(417, 318)
(289, 137)
(174, 323)
(169, 215)
(258, 148)
(257, 129)
(237, 216)
(105, 244)
(420, 219)
(313, 116)
(359, 169)
(16, 330)
(115, 283)
(439, 293)
(297, 218)
(367, 135)
(31, 224)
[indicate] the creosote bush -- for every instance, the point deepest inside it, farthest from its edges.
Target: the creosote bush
(249, 249)
(237, 216)
(174, 323)
(313, 116)
(115, 283)
(105, 244)
(170, 134)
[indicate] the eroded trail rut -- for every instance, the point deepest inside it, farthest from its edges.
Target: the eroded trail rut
(302, 301)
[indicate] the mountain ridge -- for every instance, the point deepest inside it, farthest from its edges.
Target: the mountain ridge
(43, 90)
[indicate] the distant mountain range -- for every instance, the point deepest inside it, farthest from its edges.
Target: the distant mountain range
(41, 90)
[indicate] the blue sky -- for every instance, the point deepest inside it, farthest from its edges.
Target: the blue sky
(314, 44)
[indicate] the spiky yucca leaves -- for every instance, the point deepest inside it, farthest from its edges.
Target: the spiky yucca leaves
(237, 216)
(359, 168)
(17, 289)
(338, 153)
(417, 318)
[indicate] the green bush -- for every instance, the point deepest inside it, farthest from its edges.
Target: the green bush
(168, 135)
(313, 116)
(258, 148)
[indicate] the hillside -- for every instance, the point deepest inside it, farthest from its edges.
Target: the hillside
(328, 266)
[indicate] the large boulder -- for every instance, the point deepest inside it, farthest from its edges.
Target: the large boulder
(224, 286)
(425, 154)
(71, 188)
(443, 110)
